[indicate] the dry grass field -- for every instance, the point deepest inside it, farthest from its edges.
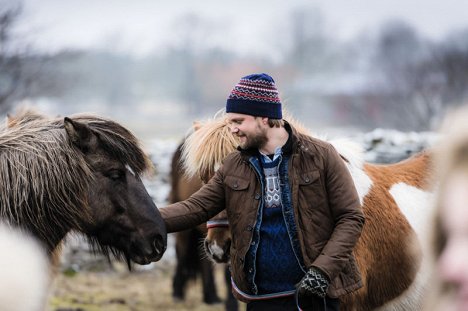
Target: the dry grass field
(122, 290)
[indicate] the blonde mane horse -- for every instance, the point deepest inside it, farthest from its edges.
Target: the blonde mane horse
(395, 200)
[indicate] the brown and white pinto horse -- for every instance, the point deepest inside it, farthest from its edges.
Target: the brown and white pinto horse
(395, 200)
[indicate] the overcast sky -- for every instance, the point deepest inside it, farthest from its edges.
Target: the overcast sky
(248, 26)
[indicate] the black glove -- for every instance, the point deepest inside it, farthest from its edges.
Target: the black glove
(314, 283)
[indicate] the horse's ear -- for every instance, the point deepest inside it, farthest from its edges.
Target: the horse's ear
(196, 125)
(9, 121)
(79, 133)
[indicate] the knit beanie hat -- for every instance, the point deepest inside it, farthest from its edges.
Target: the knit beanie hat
(255, 95)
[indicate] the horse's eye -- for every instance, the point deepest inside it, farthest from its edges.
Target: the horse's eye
(115, 174)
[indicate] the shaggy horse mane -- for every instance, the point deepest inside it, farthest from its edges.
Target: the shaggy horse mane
(24, 114)
(45, 178)
(217, 141)
(205, 149)
(119, 141)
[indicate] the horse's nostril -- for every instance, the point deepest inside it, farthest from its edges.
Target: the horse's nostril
(158, 244)
(227, 246)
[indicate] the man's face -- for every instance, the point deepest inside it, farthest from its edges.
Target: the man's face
(250, 130)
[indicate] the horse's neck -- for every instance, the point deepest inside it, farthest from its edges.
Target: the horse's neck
(50, 240)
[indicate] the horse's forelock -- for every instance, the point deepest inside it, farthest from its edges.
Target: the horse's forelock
(118, 141)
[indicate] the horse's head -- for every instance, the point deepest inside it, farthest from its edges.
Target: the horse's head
(218, 238)
(123, 218)
(217, 141)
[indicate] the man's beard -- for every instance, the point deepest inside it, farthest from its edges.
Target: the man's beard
(256, 141)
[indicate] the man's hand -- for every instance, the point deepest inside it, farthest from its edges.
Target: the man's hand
(315, 282)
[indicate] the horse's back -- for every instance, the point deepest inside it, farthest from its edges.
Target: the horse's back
(415, 171)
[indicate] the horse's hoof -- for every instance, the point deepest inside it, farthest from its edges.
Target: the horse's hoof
(212, 301)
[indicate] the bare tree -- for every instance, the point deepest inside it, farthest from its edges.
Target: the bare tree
(310, 49)
(451, 60)
(23, 73)
(408, 87)
(11, 65)
(419, 80)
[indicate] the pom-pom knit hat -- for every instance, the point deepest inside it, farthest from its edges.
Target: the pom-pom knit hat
(255, 95)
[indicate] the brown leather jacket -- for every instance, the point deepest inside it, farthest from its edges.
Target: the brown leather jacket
(326, 207)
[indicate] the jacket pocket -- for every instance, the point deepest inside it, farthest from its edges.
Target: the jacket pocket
(309, 178)
(310, 188)
(348, 280)
(237, 201)
(236, 183)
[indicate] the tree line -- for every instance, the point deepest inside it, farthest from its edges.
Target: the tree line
(393, 78)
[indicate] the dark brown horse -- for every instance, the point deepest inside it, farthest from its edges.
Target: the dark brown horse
(79, 173)
(191, 258)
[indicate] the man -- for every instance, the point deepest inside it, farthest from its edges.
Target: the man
(293, 210)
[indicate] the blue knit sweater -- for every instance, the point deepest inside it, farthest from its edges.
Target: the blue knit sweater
(277, 267)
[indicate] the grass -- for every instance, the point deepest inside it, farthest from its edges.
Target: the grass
(122, 290)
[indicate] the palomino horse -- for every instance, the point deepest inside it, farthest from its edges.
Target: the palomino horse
(395, 200)
(79, 173)
(191, 259)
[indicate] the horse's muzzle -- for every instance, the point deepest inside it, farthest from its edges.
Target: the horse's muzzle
(149, 251)
(216, 253)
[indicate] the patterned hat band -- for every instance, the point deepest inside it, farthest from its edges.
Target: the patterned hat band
(255, 95)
